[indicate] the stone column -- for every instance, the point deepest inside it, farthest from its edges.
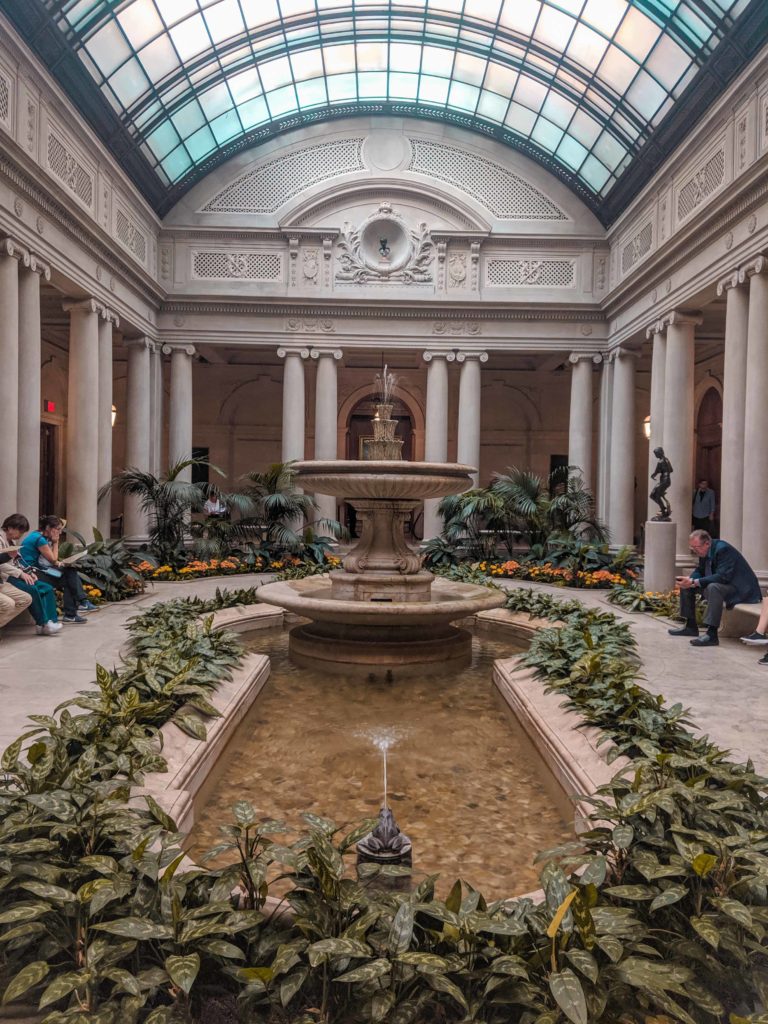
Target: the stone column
(294, 433)
(470, 410)
(11, 254)
(436, 428)
(580, 425)
(604, 439)
(30, 397)
(137, 429)
(156, 409)
(180, 406)
(82, 416)
(734, 400)
(622, 489)
(658, 373)
(108, 318)
(678, 421)
(326, 418)
(754, 540)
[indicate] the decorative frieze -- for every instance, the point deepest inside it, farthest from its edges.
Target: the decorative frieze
(5, 102)
(506, 195)
(457, 328)
(385, 249)
(704, 182)
(267, 187)
(130, 236)
(243, 266)
(310, 325)
(637, 247)
(65, 166)
(501, 272)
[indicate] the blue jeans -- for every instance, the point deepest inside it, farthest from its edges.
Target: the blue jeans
(69, 583)
(43, 608)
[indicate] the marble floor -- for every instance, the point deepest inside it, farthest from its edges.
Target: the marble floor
(725, 688)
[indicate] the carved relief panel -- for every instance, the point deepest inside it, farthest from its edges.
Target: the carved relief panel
(385, 249)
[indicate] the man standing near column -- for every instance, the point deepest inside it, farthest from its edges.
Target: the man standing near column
(704, 506)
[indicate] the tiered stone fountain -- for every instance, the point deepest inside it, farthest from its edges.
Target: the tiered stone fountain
(381, 615)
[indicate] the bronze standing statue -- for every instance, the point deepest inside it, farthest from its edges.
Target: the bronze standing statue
(664, 472)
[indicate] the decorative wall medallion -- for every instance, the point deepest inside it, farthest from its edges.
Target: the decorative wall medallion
(31, 125)
(741, 133)
(729, 240)
(40, 225)
(752, 223)
(165, 262)
(179, 321)
(586, 330)
(99, 273)
(112, 284)
(668, 285)
(311, 264)
(18, 206)
(310, 325)
(456, 328)
(385, 249)
(663, 219)
(457, 268)
(654, 294)
(601, 273)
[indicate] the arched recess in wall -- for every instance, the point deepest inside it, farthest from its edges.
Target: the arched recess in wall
(405, 396)
(709, 432)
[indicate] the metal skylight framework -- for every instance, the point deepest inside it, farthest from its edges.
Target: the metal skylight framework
(581, 85)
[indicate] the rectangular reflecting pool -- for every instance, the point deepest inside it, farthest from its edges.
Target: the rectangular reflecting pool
(464, 781)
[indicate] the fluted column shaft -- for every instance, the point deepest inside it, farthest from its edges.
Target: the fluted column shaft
(658, 374)
(137, 429)
(734, 400)
(82, 418)
(30, 364)
(436, 428)
(326, 417)
(104, 415)
(621, 497)
(10, 255)
(678, 421)
(180, 406)
(294, 402)
(156, 410)
(755, 521)
(470, 410)
(580, 421)
(604, 439)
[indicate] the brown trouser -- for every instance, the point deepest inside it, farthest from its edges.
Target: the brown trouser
(12, 602)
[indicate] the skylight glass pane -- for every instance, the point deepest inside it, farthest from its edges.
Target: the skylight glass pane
(307, 64)
(554, 28)
(372, 84)
(174, 11)
(190, 37)
(594, 173)
(159, 58)
(547, 135)
(140, 22)
(129, 82)
(244, 86)
(520, 119)
(177, 163)
(500, 79)
(637, 34)
(372, 56)
(108, 48)
(492, 106)
(520, 15)
(226, 127)
(258, 13)
(312, 93)
(163, 140)
(470, 69)
(224, 20)
(340, 59)
(253, 112)
(403, 87)
(404, 57)
(571, 152)
(587, 47)
(433, 90)
(463, 97)
(646, 95)
(617, 69)
(189, 119)
(667, 62)
(275, 73)
(342, 87)
(201, 143)
(605, 15)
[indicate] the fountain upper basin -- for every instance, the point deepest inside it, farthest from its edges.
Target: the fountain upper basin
(394, 480)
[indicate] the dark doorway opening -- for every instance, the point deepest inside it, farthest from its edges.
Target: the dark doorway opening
(48, 432)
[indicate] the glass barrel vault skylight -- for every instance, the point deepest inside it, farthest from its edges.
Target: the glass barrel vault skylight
(579, 83)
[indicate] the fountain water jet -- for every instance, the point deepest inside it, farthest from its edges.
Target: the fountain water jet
(382, 611)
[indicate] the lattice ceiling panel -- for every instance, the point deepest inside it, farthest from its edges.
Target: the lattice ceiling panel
(579, 84)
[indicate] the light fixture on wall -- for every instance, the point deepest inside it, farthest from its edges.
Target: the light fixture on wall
(114, 414)
(647, 428)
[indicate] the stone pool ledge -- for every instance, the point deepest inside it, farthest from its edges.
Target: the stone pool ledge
(191, 760)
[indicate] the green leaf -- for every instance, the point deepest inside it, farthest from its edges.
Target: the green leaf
(703, 864)
(584, 962)
(367, 972)
(735, 910)
(402, 929)
(440, 983)
(23, 930)
(124, 980)
(190, 724)
(245, 813)
(669, 896)
(632, 892)
(425, 963)
(159, 814)
(135, 928)
(623, 836)
(291, 984)
(221, 948)
(453, 903)
(48, 892)
(569, 995)
(63, 985)
(509, 965)
(182, 970)
(24, 912)
(27, 977)
(327, 949)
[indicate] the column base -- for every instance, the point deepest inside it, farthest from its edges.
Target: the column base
(660, 567)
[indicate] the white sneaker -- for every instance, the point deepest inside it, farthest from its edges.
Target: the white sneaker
(39, 630)
(52, 628)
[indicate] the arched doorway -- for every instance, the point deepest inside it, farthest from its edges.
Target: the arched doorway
(709, 439)
(359, 430)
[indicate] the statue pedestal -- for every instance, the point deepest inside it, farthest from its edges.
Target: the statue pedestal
(660, 541)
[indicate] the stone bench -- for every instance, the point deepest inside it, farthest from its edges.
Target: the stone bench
(741, 620)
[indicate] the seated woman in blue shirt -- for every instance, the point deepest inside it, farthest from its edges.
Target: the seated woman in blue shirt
(43, 607)
(40, 550)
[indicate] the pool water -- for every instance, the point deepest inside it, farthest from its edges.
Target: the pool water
(464, 781)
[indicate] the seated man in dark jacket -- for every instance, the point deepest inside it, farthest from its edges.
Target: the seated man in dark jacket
(722, 577)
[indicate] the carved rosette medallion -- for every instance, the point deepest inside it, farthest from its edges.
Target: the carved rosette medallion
(385, 249)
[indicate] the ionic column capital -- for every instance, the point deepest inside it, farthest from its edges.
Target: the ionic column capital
(759, 265)
(657, 327)
(141, 342)
(577, 357)
(109, 315)
(680, 318)
(38, 266)
(482, 357)
(188, 350)
(447, 354)
(10, 247)
(294, 350)
(622, 353)
(317, 353)
(82, 306)
(729, 281)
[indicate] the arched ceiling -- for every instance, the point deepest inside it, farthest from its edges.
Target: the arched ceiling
(597, 91)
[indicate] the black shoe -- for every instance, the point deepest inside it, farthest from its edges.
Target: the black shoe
(684, 631)
(705, 641)
(755, 639)
(763, 660)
